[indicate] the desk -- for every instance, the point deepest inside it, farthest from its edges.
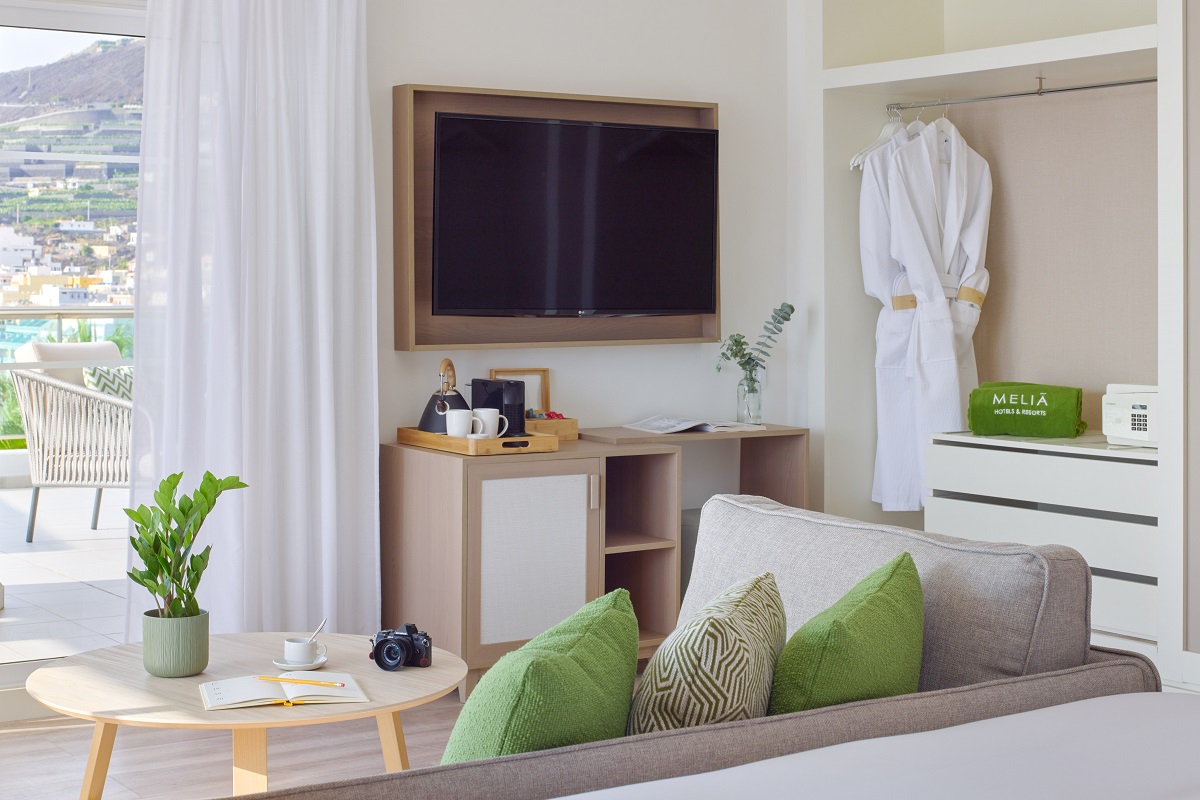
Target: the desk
(774, 458)
(110, 687)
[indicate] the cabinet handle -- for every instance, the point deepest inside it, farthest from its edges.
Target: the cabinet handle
(593, 492)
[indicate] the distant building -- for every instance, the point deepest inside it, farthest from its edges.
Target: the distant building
(16, 250)
(62, 296)
(76, 225)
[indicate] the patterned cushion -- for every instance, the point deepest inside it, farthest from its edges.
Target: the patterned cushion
(866, 645)
(117, 381)
(570, 685)
(716, 666)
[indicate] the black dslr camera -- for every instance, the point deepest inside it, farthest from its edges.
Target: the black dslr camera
(407, 648)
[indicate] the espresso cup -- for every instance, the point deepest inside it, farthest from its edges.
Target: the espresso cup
(460, 422)
(493, 424)
(300, 650)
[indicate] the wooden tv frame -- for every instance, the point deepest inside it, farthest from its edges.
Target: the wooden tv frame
(417, 328)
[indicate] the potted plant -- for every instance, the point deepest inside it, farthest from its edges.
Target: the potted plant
(175, 632)
(752, 359)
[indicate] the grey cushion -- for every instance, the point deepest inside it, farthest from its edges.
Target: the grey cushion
(991, 610)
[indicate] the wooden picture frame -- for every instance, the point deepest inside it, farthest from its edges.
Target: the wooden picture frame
(541, 374)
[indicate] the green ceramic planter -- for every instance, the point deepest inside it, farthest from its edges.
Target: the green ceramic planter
(174, 648)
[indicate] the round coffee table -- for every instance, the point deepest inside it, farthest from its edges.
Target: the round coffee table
(111, 687)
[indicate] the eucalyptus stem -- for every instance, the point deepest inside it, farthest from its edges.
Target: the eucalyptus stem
(753, 357)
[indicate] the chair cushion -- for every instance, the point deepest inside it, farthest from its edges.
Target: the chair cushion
(991, 610)
(717, 665)
(864, 646)
(117, 381)
(570, 685)
(68, 351)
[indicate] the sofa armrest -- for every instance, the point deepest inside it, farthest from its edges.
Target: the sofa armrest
(1103, 655)
(668, 754)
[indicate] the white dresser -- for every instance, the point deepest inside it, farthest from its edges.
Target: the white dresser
(1099, 499)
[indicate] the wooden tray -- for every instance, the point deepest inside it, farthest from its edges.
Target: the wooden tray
(515, 445)
(564, 429)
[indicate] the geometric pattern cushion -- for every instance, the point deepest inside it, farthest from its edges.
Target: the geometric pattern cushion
(117, 381)
(864, 646)
(570, 685)
(716, 666)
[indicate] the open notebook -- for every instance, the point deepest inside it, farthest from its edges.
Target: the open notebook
(250, 691)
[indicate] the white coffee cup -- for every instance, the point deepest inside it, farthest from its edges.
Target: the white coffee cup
(461, 422)
(493, 424)
(302, 651)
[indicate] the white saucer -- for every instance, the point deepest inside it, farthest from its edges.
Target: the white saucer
(290, 667)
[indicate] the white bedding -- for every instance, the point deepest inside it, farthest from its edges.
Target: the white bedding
(1131, 746)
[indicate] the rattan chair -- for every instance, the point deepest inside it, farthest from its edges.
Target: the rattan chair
(76, 437)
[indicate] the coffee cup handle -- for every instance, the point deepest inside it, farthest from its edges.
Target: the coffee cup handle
(476, 421)
(503, 426)
(321, 650)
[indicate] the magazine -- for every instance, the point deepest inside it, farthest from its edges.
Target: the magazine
(662, 424)
(289, 689)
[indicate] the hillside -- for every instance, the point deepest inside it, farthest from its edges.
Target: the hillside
(106, 72)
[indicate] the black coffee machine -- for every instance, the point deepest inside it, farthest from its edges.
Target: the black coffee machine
(508, 397)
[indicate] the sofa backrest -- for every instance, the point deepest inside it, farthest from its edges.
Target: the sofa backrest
(991, 610)
(68, 351)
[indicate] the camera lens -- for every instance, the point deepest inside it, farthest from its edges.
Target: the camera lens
(391, 653)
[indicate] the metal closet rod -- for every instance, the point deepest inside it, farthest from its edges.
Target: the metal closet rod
(1031, 93)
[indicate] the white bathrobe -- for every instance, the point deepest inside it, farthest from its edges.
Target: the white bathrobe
(939, 202)
(880, 273)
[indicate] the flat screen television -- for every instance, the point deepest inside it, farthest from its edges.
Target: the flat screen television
(547, 218)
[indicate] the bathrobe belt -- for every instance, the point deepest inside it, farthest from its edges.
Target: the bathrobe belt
(902, 302)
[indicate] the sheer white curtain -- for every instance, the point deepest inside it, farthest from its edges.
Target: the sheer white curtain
(255, 320)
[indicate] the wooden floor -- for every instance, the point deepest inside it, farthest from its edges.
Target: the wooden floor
(44, 759)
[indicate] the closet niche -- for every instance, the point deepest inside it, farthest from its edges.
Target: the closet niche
(1072, 241)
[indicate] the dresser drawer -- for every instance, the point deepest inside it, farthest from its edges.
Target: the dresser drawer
(1104, 543)
(1075, 482)
(1125, 607)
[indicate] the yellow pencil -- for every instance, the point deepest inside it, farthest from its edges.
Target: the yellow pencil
(297, 680)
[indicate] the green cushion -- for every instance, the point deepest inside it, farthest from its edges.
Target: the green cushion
(716, 666)
(117, 381)
(570, 685)
(866, 645)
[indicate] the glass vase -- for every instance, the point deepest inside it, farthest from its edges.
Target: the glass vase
(749, 400)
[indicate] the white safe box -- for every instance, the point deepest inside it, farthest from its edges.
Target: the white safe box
(1083, 493)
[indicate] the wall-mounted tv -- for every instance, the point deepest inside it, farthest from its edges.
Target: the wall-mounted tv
(542, 217)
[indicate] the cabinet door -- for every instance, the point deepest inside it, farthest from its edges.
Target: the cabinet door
(533, 550)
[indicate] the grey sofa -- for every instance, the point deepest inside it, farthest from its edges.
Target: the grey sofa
(1006, 630)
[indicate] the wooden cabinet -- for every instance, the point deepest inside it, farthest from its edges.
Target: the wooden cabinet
(485, 553)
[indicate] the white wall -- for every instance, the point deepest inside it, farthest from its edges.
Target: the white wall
(970, 24)
(732, 53)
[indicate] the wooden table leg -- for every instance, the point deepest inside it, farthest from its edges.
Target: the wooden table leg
(98, 758)
(249, 760)
(391, 737)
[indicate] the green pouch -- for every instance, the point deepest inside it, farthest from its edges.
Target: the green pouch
(1026, 409)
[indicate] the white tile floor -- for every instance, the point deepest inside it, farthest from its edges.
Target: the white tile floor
(65, 592)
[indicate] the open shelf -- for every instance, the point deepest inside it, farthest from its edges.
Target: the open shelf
(619, 541)
(648, 639)
(652, 580)
(1116, 55)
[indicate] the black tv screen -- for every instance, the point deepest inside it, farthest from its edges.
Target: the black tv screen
(537, 217)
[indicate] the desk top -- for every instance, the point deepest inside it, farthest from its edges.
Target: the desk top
(630, 436)
(110, 685)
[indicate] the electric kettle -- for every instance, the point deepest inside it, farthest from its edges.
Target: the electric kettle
(433, 420)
